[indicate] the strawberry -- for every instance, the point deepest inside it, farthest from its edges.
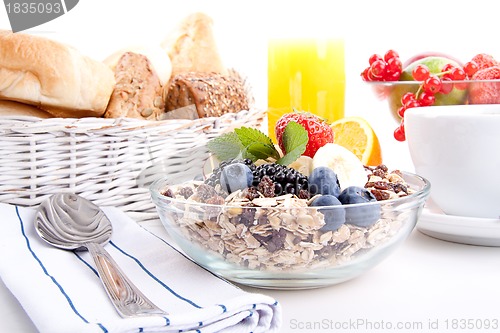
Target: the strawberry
(318, 131)
(484, 60)
(485, 92)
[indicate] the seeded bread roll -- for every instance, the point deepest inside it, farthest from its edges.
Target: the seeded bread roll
(52, 76)
(213, 94)
(138, 91)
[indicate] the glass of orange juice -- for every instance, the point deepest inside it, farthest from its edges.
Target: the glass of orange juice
(306, 74)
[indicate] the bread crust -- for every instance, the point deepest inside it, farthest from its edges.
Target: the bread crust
(51, 75)
(10, 108)
(213, 94)
(191, 46)
(138, 91)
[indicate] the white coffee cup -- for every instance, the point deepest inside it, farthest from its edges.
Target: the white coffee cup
(457, 148)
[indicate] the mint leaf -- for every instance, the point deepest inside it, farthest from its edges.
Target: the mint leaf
(295, 140)
(256, 143)
(227, 146)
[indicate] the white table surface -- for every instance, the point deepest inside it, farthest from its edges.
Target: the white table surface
(427, 284)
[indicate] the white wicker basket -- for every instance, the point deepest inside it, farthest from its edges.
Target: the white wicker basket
(108, 161)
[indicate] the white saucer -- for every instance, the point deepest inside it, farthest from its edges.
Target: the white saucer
(459, 229)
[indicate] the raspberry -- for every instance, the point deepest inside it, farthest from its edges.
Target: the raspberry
(484, 60)
(485, 92)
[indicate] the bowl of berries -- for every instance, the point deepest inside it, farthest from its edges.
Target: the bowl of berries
(431, 79)
(270, 216)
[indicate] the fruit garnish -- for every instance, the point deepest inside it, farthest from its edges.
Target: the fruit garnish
(284, 180)
(360, 216)
(251, 143)
(303, 165)
(324, 180)
(318, 131)
(334, 218)
(348, 167)
(441, 80)
(356, 134)
(483, 60)
(485, 92)
(435, 75)
(236, 176)
(386, 68)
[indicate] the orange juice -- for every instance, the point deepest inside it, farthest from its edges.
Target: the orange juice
(306, 74)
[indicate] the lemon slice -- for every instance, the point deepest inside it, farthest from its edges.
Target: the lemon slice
(349, 169)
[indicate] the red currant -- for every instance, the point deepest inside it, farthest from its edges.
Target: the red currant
(458, 74)
(420, 72)
(392, 76)
(375, 57)
(394, 65)
(399, 133)
(391, 54)
(426, 99)
(447, 68)
(378, 68)
(409, 96)
(471, 68)
(412, 104)
(387, 68)
(446, 85)
(401, 111)
(364, 74)
(432, 84)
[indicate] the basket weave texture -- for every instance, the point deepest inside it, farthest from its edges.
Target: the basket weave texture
(108, 161)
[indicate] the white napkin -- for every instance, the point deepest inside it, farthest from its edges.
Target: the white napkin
(61, 292)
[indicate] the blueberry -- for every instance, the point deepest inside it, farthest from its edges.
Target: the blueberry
(362, 216)
(323, 180)
(236, 176)
(334, 217)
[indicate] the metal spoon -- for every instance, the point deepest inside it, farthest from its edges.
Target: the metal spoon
(70, 222)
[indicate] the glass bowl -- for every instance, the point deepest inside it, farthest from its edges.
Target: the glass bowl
(282, 244)
(461, 92)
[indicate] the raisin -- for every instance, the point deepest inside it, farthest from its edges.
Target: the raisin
(168, 193)
(186, 192)
(205, 192)
(266, 187)
(250, 193)
(380, 195)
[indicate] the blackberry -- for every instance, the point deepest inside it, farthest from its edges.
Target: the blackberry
(286, 180)
(214, 178)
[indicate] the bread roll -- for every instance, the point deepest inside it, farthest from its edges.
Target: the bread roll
(9, 108)
(138, 91)
(53, 76)
(156, 55)
(192, 48)
(213, 94)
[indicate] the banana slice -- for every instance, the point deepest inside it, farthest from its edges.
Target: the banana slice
(303, 165)
(348, 167)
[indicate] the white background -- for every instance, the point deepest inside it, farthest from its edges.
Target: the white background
(427, 279)
(460, 28)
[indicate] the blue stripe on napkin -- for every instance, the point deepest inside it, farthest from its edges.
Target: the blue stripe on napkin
(59, 286)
